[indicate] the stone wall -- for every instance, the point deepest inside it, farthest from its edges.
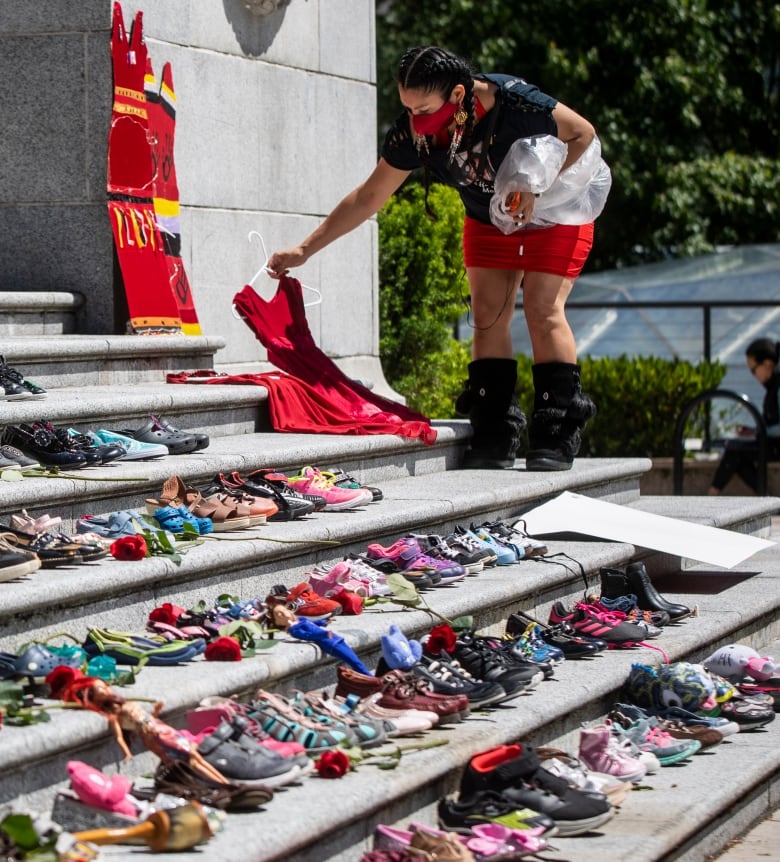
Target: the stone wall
(276, 121)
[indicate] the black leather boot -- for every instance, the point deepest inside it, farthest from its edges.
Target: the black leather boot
(613, 584)
(561, 410)
(497, 421)
(647, 596)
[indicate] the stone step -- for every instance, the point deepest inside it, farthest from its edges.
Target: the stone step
(288, 664)
(759, 842)
(38, 313)
(215, 410)
(108, 360)
(96, 590)
(690, 810)
(251, 560)
(376, 459)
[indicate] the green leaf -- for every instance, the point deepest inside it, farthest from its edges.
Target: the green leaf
(403, 591)
(226, 600)
(20, 829)
(11, 694)
(25, 717)
(11, 476)
(249, 633)
(464, 623)
(265, 643)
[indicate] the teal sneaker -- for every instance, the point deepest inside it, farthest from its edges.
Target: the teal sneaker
(647, 736)
(136, 450)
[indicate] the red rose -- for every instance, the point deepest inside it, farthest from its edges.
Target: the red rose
(129, 548)
(332, 764)
(167, 613)
(60, 679)
(441, 639)
(223, 649)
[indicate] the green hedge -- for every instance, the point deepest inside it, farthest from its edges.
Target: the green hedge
(638, 400)
(422, 291)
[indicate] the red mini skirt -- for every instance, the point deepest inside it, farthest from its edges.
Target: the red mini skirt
(561, 249)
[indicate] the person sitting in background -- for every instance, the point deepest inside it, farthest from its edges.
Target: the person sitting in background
(740, 457)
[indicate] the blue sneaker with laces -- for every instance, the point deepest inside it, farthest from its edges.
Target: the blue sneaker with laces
(530, 644)
(474, 542)
(505, 555)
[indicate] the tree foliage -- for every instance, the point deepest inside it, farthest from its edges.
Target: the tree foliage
(422, 290)
(683, 94)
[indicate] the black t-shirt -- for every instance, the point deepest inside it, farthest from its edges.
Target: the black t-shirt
(523, 110)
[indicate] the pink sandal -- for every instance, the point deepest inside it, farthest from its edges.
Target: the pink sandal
(27, 524)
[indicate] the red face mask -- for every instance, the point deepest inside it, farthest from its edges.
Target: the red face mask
(430, 124)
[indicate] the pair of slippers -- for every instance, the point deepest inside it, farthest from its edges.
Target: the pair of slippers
(173, 519)
(139, 650)
(114, 526)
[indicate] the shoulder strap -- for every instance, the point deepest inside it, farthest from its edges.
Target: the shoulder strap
(489, 133)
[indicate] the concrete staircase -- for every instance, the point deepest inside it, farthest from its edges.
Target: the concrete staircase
(116, 382)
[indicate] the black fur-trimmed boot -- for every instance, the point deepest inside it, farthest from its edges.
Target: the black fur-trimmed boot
(561, 411)
(497, 421)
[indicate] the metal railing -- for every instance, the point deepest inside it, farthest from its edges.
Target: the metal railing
(706, 307)
(679, 431)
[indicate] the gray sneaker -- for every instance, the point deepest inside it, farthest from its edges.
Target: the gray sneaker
(15, 456)
(243, 759)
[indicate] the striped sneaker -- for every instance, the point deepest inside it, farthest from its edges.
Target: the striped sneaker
(588, 621)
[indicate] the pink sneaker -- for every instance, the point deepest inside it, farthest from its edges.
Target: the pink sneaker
(311, 481)
(407, 555)
(329, 581)
(353, 575)
(600, 754)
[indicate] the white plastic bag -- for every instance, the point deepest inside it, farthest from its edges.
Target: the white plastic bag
(531, 165)
(575, 196)
(579, 193)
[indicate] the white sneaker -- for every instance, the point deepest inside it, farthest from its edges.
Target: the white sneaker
(136, 450)
(573, 771)
(629, 749)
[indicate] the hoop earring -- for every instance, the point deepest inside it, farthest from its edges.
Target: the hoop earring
(460, 124)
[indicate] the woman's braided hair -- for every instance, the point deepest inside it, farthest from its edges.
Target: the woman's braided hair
(436, 70)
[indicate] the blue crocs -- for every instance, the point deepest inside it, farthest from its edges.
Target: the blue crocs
(173, 520)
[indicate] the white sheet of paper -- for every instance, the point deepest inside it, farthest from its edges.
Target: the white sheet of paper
(573, 513)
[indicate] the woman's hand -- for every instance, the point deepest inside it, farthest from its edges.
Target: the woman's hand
(520, 205)
(280, 261)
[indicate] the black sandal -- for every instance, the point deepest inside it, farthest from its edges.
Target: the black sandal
(180, 779)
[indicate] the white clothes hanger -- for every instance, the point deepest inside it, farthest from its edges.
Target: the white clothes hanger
(264, 269)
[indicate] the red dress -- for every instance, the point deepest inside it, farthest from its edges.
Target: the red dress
(314, 396)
